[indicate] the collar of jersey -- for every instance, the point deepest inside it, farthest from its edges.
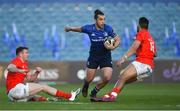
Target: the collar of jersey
(97, 29)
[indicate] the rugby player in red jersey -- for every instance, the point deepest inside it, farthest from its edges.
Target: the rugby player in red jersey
(18, 90)
(145, 49)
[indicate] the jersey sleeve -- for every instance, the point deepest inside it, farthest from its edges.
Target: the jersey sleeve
(111, 32)
(139, 37)
(85, 29)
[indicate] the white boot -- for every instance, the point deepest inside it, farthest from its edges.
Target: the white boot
(74, 94)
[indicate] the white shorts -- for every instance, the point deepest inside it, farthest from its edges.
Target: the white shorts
(19, 93)
(143, 70)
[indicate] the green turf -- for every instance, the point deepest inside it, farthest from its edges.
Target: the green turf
(134, 96)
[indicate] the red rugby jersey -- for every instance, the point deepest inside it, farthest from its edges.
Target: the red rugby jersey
(14, 78)
(147, 49)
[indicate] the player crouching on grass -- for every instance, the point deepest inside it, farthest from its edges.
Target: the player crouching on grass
(18, 90)
(145, 49)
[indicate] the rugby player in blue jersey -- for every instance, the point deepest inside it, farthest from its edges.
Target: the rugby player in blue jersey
(99, 55)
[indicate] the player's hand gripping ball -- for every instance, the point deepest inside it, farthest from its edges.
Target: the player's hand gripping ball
(109, 43)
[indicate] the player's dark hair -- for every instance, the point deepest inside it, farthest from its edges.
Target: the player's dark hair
(20, 49)
(97, 12)
(143, 22)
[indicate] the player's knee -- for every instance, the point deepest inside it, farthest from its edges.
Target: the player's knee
(89, 79)
(42, 88)
(107, 78)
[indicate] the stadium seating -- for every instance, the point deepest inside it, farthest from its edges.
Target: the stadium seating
(32, 20)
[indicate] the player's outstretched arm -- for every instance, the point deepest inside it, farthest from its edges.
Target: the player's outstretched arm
(133, 48)
(73, 29)
(13, 68)
(33, 77)
(130, 52)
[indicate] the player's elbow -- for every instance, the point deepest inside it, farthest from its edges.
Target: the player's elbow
(10, 67)
(134, 50)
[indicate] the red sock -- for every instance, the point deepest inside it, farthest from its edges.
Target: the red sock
(41, 99)
(117, 90)
(63, 94)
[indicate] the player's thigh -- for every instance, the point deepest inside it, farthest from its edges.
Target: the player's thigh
(132, 79)
(90, 73)
(92, 65)
(34, 88)
(20, 91)
(107, 72)
(129, 73)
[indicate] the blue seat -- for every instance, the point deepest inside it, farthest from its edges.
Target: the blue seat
(33, 19)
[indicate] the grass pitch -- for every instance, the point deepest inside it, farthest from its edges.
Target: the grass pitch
(133, 97)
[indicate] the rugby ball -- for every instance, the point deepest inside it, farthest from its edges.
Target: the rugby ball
(109, 41)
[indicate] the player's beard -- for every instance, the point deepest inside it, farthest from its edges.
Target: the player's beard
(25, 58)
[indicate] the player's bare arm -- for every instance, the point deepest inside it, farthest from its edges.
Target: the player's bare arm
(33, 77)
(130, 52)
(13, 68)
(74, 29)
(117, 42)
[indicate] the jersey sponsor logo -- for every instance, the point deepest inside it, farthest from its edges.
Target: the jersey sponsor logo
(93, 34)
(97, 40)
(100, 37)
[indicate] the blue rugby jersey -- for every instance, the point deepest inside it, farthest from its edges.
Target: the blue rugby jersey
(97, 38)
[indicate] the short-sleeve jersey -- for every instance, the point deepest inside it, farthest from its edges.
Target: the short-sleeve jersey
(147, 49)
(14, 78)
(97, 38)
